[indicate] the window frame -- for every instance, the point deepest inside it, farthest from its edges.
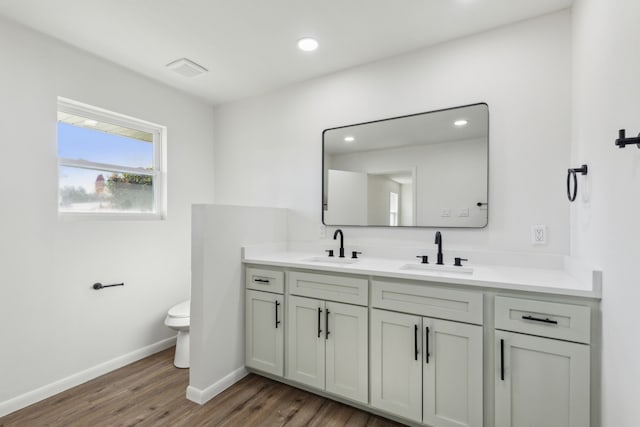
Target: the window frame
(158, 172)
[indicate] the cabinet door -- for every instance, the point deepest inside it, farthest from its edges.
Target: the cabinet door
(541, 382)
(347, 351)
(305, 341)
(396, 363)
(264, 335)
(452, 373)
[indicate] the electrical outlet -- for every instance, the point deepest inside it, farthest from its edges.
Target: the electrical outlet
(539, 234)
(322, 231)
(444, 212)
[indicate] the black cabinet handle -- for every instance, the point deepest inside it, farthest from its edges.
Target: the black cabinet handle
(502, 360)
(319, 314)
(326, 324)
(277, 321)
(535, 319)
(261, 280)
(415, 341)
(426, 343)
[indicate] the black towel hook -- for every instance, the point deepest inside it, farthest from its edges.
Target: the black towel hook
(572, 173)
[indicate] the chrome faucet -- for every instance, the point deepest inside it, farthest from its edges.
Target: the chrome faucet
(439, 243)
(335, 236)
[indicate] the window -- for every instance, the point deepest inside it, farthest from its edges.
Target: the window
(108, 164)
(393, 208)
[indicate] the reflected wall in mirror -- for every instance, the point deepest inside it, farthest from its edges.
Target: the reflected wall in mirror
(423, 170)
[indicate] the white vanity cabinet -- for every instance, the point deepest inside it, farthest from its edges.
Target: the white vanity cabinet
(327, 341)
(426, 369)
(541, 380)
(423, 352)
(264, 321)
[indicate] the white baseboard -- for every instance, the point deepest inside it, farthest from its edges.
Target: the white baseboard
(203, 396)
(31, 397)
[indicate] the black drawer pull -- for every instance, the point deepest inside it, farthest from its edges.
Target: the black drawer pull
(319, 314)
(261, 280)
(277, 321)
(535, 319)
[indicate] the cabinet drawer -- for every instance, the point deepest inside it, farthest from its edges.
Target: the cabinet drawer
(430, 301)
(548, 319)
(262, 279)
(352, 290)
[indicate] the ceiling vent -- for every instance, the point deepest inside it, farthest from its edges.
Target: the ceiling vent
(186, 67)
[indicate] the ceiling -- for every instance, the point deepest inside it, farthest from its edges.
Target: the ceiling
(249, 46)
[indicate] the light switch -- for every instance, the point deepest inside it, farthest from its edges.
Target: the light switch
(445, 212)
(464, 212)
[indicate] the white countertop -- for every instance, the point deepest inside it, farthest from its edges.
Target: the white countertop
(542, 280)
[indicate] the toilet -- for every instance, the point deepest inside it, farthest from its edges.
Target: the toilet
(178, 318)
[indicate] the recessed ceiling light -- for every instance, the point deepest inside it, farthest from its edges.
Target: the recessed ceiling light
(460, 123)
(89, 122)
(307, 44)
(349, 139)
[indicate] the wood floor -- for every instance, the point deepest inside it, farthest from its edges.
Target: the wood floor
(151, 392)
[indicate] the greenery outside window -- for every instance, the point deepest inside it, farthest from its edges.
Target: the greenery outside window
(109, 164)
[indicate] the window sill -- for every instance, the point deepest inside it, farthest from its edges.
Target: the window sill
(111, 216)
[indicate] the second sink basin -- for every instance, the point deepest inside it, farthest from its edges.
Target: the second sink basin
(436, 267)
(332, 260)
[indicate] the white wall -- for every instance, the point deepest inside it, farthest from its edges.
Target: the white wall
(53, 324)
(521, 71)
(217, 307)
(605, 225)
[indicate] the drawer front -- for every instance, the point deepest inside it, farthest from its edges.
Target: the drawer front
(430, 301)
(262, 279)
(352, 290)
(548, 319)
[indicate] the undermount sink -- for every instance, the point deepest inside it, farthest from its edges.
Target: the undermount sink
(332, 260)
(436, 267)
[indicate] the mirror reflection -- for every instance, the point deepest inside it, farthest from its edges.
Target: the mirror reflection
(422, 170)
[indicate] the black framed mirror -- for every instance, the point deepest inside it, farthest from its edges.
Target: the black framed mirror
(422, 170)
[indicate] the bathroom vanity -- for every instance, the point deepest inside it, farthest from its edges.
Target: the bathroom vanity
(492, 347)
